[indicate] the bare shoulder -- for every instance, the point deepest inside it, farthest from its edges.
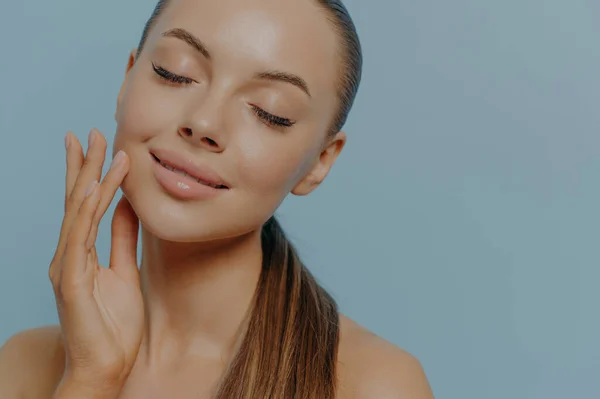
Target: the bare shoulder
(371, 367)
(31, 363)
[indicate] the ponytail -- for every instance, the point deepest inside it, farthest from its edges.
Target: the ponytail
(290, 347)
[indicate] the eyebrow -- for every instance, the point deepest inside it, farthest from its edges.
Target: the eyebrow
(278, 76)
(286, 78)
(190, 39)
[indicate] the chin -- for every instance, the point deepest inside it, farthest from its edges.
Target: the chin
(169, 220)
(179, 221)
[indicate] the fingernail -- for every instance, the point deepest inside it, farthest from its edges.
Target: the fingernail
(67, 140)
(91, 137)
(118, 159)
(90, 188)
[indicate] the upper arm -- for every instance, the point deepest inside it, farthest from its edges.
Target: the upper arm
(9, 354)
(371, 367)
(398, 375)
(31, 363)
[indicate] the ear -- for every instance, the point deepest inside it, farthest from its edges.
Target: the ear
(323, 165)
(130, 63)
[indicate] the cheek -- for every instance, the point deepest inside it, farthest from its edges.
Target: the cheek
(143, 112)
(274, 166)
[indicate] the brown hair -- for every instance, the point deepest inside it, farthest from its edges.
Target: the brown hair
(289, 349)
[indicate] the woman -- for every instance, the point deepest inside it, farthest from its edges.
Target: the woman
(226, 107)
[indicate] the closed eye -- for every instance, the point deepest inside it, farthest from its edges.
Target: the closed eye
(270, 119)
(170, 76)
(266, 117)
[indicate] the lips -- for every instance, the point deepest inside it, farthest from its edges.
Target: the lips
(186, 167)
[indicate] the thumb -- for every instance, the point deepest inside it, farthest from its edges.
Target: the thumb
(124, 237)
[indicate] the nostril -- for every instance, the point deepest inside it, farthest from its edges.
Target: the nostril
(187, 131)
(210, 142)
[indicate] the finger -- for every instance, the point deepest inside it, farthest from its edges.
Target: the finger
(124, 239)
(111, 183)
(89, 172)
(74, 157)
(76, 253)
(74, 163)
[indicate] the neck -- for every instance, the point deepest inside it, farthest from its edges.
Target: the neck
(197, 296)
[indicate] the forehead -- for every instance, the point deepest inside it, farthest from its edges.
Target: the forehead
(290, 35)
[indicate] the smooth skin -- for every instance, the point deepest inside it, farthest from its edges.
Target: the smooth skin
(101, 310)
(170, 329)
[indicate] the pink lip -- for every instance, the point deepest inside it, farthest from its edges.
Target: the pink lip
(181, 162)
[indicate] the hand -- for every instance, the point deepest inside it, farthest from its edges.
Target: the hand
(100, 309)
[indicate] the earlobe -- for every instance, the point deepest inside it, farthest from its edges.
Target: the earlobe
(130, 63)
(322, 166)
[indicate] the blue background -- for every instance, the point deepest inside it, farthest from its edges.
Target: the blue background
(461, 221)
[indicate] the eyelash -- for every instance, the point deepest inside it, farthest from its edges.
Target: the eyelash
(170, 76)
(266, 117)
(270, 119)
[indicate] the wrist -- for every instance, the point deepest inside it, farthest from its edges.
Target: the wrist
(70, 389)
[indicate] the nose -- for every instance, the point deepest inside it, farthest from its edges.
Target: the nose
(204, 128)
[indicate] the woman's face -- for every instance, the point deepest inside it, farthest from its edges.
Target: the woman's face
(252, 94)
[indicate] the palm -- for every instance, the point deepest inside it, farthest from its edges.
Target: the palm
(107, 308)
(121, 307)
